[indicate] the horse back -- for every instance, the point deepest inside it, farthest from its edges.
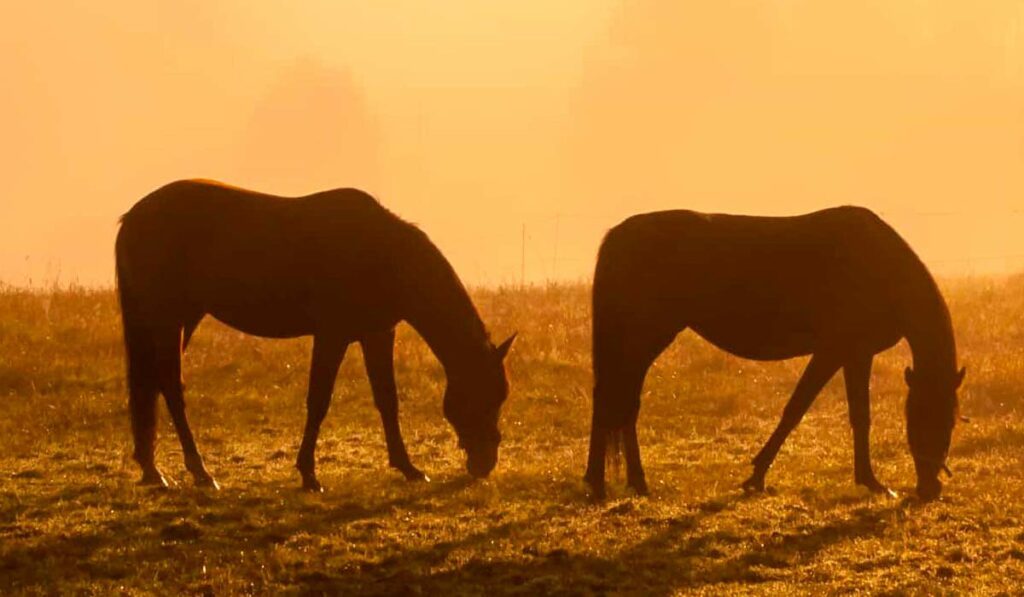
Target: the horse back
(268, 265)
(761, 287)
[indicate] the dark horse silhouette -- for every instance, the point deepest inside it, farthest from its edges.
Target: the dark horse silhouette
(838, 284)
(335, 265)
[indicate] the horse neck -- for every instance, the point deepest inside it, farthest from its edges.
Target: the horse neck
(441, 311)
(930, 332)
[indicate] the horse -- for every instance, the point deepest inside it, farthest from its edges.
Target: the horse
(334, 265)
(838, 284)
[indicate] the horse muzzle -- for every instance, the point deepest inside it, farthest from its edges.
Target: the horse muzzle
(481, 465)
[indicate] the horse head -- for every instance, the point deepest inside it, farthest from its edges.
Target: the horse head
(472, 404)
(932, 407)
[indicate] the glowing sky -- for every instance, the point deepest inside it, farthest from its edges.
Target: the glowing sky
(475, 118)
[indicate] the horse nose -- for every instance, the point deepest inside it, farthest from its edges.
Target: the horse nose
(480, 468)
(477, 472)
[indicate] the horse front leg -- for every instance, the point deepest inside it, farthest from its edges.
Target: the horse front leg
(819, 370)
(328, 353)
(857, 375)
(378, 354)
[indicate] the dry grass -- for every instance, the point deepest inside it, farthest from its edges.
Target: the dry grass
(73, 520)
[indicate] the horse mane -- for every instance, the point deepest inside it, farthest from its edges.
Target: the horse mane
(925, 281)
(429, 277)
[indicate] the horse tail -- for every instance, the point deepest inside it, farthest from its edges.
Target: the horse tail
(609, 416)
(608, 336)
(125, 298)
(139, 350)
(140, 356)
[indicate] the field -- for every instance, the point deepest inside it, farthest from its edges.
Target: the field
(73, 520)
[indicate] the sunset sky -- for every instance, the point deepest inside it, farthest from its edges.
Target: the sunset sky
(475, 119)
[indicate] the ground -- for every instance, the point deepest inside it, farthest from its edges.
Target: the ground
(73, 520)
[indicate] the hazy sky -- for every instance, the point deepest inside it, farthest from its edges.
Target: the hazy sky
(475, 118)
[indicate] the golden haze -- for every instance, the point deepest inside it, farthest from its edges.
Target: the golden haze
(474, 119)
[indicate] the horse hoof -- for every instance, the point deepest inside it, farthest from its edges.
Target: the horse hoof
(154, 479)
(884, 491)
(597, 491)
(312, 486)
(640, 488)
(874, 486)
(208, 482)
(753, 485)
(414, 474)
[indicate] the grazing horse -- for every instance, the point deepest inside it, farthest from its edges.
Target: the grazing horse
(839, 285)
(335, 265)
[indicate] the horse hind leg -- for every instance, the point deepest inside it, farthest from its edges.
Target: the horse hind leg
(328, 353)
(142, 396)
(819, 370)
(191, 323)
(641, 351)
(620, 366)
(378, 355)
(168, 356)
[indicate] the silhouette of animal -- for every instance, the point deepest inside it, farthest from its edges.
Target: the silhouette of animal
(335, 265)
(839, 285)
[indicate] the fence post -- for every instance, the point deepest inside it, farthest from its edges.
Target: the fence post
(522, 259)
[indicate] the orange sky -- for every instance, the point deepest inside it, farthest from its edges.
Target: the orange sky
(475, 118)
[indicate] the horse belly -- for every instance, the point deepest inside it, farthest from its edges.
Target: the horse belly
(759, 338)
(268, 323)
(777, 335)
(273, 307)
(286, 314)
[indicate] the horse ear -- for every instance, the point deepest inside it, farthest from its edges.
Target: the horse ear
(908, 374)
(960, 376)
(502, 349)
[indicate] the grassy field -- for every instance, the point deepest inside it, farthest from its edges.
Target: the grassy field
(72, 519)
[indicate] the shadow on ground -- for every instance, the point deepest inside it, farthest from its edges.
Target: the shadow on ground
(304, 544)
